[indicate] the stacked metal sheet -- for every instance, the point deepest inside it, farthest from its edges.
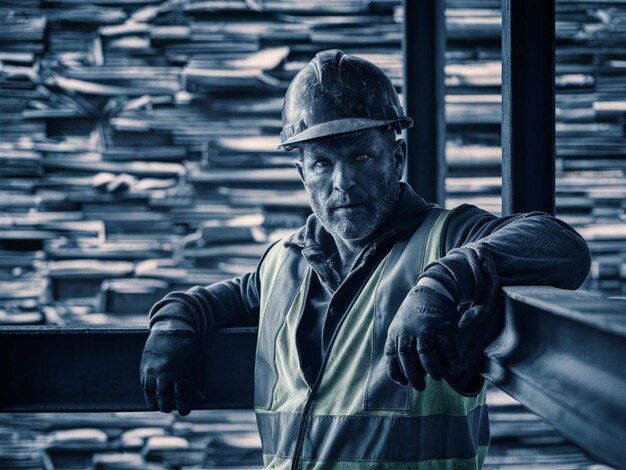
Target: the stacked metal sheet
(125, 126)
(204, 439)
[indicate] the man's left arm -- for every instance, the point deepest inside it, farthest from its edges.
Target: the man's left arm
(484, 252)
(448, 319)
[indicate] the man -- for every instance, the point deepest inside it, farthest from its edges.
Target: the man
(374, 316)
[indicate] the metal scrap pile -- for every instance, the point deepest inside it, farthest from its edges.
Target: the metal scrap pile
(138, 139)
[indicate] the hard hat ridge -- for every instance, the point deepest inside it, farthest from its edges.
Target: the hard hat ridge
(326, 66)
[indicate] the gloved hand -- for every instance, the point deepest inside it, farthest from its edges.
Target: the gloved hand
(167, 368)
(478, 327)
(422, 338)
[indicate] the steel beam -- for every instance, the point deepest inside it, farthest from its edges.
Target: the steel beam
(423, 52)
(561, 354)
(528, 106)
(97, 369)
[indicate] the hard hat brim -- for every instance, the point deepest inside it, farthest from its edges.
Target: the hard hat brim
(338, 127)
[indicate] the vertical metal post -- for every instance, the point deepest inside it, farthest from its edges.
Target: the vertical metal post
(423, 50)
(528, 106)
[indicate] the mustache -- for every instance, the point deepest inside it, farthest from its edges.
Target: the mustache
(345, 202)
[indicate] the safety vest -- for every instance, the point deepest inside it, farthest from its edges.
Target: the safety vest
(354, 416)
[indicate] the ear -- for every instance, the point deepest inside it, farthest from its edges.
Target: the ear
(298, 164)
(399, 156)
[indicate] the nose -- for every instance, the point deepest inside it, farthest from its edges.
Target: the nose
(343, 177)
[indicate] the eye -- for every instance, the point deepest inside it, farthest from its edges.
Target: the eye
(362, 157)
(321, 163)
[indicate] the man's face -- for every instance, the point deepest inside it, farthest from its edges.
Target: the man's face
(353, 181)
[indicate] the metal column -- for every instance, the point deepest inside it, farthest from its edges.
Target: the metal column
(423, 50)
(527, 106)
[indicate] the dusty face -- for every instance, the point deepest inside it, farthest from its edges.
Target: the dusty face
(353, 181)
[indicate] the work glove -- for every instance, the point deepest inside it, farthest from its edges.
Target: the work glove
(479, 326)
(167, 370)
(422, 338)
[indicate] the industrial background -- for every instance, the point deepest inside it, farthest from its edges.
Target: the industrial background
(138, 156)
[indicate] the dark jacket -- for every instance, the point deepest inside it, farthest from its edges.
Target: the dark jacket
(483, 252)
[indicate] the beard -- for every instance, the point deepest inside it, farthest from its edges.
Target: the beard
(359, 214)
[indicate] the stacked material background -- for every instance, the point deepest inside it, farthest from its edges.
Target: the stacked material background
(138, 156)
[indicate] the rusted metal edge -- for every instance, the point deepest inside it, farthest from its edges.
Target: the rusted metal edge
(561, 354)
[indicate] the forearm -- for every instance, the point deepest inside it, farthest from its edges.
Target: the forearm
(202, 309)
(526, 249)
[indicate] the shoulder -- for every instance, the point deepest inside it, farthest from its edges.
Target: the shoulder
(464, 222)
(274, 255)
(468, 212)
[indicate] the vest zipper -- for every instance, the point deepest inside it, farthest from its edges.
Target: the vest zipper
(309, 402)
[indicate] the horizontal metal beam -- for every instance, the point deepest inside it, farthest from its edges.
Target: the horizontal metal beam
(97, 369)
(561, 354)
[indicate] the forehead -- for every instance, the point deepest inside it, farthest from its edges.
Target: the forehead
(371, 140)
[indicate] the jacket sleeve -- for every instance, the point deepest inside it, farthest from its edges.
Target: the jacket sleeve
(234, 302)
(484, 252)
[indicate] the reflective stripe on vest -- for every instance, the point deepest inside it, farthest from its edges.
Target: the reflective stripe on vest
(355, 416)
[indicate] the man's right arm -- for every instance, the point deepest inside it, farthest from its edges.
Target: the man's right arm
(234, 302)
(178, 322)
